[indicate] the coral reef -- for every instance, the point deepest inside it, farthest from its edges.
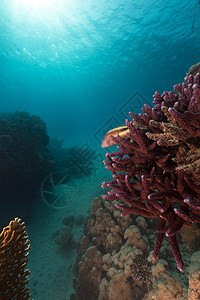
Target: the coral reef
(76, 162)
(194, 276)
(67, 237)
(64, 237)
(166, 285)
(115, 260)
(157, 169)
(112, 256)
(14, 246)
(24, 157)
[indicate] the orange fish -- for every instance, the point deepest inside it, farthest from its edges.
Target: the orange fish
(108, 141)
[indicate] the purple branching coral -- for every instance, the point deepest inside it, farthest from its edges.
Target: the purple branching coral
(157, 169)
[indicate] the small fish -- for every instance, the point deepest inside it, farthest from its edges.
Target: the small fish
(108, 141)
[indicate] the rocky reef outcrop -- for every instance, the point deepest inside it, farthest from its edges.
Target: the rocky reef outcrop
(24, 157)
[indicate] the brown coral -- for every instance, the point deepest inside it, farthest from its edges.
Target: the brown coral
(14, 245)
(115, 259)
(194, 276)
(90, 274)
(166, 285)
(112, 261)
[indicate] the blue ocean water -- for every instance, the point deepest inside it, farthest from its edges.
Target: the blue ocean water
(75, 63)
(82, 66)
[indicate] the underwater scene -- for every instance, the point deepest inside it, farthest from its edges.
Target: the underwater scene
(99, 150)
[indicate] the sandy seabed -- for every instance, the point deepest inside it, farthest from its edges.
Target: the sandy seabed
(52, 266)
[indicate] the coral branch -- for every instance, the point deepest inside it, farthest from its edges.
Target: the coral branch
(157, 168)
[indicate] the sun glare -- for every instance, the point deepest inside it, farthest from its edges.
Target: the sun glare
(43, 11)
(34, 4)
(45, 14)
(40, 12)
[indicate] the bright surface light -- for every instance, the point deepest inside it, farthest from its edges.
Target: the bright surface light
(34, 4)
(49, 31)
(41, 8)
(40, 13)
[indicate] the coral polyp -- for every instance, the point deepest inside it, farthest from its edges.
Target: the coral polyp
(156, 171)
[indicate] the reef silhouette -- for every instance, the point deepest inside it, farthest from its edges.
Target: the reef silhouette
(75, 162)
(24, 156)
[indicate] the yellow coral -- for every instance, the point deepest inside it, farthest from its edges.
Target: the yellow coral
(14, 245)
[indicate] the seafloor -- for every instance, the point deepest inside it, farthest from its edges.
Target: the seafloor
(81, 248)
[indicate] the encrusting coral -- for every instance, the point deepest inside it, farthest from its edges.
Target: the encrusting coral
(194, 276)
(14, 246)
(157, 169)
(166, 285)
(112, 262)
(115, 260)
